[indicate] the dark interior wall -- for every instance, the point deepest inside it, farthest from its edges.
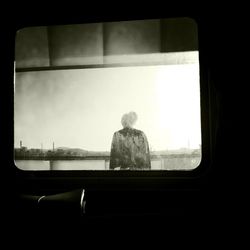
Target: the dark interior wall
(85, 44)
(179, 35)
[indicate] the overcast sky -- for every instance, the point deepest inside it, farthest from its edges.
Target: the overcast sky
(83, 108)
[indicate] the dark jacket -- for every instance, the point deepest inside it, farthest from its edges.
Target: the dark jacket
(130, 150)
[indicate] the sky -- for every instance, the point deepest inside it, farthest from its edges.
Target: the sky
(82, 108)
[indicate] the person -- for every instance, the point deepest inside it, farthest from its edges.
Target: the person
(129, 148)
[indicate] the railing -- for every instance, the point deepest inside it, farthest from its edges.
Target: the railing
(158, 162)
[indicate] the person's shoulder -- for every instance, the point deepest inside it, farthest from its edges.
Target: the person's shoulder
(119, 131)
(138, 131)
(130, 131)
(116, 132)
(141, 134)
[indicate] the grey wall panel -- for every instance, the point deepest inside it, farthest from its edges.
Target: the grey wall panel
(132, 37)
(79, 44)
(140, 41)
(31, 48)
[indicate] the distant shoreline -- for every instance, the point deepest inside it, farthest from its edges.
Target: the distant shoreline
(101, 157)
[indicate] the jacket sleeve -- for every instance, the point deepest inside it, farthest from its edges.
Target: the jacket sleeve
(148, 161)
(114, 153)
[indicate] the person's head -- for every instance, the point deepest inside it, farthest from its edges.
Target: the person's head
(128, 120)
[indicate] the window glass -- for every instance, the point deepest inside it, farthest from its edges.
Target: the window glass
(108, 96)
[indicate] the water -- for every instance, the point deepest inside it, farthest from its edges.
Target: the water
(78, 165)
(61, 165)
(32, 165)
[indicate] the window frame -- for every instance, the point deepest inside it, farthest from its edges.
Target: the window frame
(145, 179)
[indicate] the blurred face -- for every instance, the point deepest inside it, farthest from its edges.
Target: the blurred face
(133, 118)
(129, 119)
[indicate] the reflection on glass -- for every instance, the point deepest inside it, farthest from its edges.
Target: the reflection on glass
(74, 113)
(74, 83)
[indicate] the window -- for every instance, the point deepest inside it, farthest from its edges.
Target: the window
(74, 84)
